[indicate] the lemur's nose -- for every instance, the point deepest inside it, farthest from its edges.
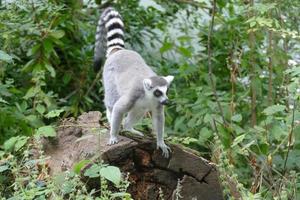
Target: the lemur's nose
(165, 102)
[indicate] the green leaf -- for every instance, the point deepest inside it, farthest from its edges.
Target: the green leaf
(21, 141)
(54, 113)
(238, 140)
(40, 108)
(120, 194)
(5, 57)
(57, 34)
(112, 174)
(78, 166)
(237, 118)
(252, 24)
(277, 132)
(10, 143)
(34, 50)
(189, 140)
(259, 129)
(93, 171)
(204, 135)
(46, 131)
(271, 110)
(3, 168)
(48, 46)
(31, 93)
(3, 101)
(50, 69)
(66, 78)
(68, 187)
(166, 47)
(185, 52)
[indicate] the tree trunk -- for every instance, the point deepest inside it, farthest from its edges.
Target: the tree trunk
(148, 170)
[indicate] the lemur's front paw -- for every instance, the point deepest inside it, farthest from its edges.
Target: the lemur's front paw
(113, 140)
(165, 149)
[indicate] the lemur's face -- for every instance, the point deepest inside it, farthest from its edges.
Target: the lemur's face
(157, 87)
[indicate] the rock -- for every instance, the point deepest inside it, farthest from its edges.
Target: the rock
(149, 172)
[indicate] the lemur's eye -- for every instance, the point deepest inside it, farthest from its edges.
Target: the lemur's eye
(157, 93)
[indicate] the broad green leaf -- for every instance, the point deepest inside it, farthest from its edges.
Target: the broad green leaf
(166, 47)
(21, 141)
(48, 46)
(3, 168)
(40, 108)
(237, 118)
(68, 187)
(34, 121)
(238, 140)
(10, 143)
(271, 110)
(259, 129)
(208, 118)
(50, 69)
(188, 140)
(57, 34)
(264, 148)
(3, 101)
(184, 51)
(34, 50)
(112, 174)
(46, 131)
(66, 78)
(60, 178)
(120, 194)
(54, 113)
(31, 93)
(93, 171)
(5, 57)
(252, 24)
(277, 132)
(78, 166)
(204, 135)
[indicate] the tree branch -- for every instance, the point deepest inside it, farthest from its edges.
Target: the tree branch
(210, 68)
(252, 72)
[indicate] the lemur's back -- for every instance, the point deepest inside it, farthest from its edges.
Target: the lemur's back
(123, 68)
(126, 68)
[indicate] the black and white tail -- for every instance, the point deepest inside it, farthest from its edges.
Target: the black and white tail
(109, 35)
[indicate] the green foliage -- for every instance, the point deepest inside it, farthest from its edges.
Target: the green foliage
(15, 143)
(110, 173)
(46, 49)
(45, 131)
(45, 74)
(25, 177)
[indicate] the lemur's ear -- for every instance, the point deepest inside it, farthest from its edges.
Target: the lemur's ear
(147, 84)
(169, 79)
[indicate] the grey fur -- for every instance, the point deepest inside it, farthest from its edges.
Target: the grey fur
(123, 74)
(128, 89)
(158, 81)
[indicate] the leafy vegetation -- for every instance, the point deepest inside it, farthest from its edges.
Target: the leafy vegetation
(235, 95)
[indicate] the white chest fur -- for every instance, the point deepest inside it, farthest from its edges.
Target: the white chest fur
(146, 103)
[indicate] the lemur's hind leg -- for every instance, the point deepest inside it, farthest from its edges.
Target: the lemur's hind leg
(132, 118)
(108, 115)
(119, 109)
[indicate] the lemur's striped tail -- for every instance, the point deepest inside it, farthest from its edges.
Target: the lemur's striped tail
(109, 35)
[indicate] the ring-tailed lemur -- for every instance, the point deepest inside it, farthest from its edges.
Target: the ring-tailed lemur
(130, 85)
